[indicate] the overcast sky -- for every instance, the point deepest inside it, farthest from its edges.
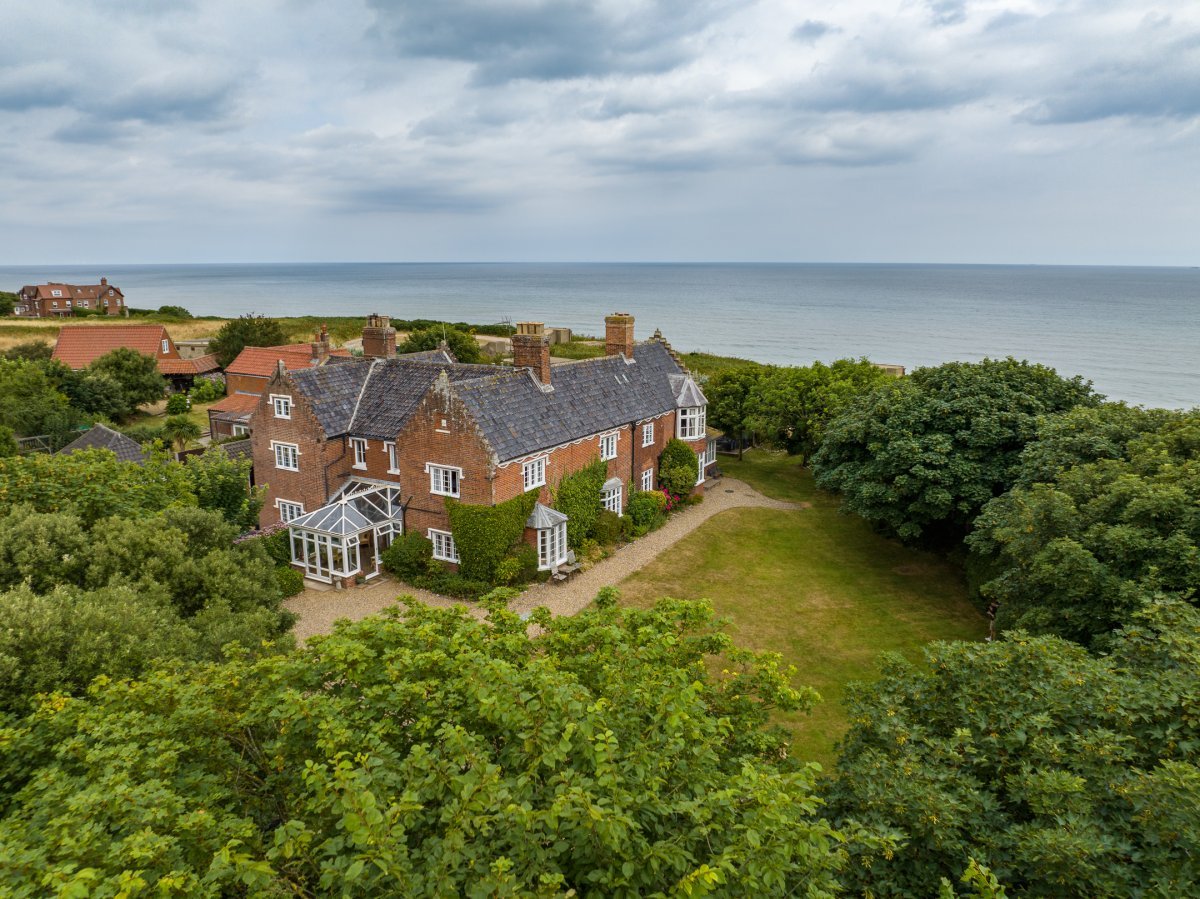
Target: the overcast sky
(280, 130)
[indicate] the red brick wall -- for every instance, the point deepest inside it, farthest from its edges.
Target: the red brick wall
(235, 383)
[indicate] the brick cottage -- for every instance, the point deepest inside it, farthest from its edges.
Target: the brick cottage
(358, 453)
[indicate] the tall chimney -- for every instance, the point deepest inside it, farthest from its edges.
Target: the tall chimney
(320, 346)
(618, 334)
(104, 282)
(379, 338)
(531, 350)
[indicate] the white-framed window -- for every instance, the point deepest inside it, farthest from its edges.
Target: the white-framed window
(443, 479)
(240, 430)
(648, 479)
(54, 304)
(83, 303)
(534, 472)
(611, 499)
(56, 293)
(608, 446)
(710, 455)
(393, 466)
(443, 545)
(691, 422)
(648, 434)
(68, 304)
(552, 546)
(287, 455)
(282, 406)
(359, 447)
(288, 510)
(166, 345)
(700, 467)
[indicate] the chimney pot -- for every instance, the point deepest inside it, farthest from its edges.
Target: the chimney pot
(379, 337)
(531, 349)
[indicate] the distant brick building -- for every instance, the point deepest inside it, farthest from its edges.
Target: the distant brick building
(353, 455)
(78, 346)
(55, 300)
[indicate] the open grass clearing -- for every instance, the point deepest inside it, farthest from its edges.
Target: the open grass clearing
(816, 586)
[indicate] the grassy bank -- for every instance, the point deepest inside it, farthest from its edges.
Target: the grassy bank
(816, 586)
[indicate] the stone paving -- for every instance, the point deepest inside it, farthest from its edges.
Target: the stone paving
(320, 608)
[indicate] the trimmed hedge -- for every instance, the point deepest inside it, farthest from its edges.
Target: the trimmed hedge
(485, 534)
(678, 467)
(608, 528)
(291, 581)
(578, 497)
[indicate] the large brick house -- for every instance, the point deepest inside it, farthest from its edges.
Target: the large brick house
(354, 454)
(56, 300)
(247, 375)
(78, 346)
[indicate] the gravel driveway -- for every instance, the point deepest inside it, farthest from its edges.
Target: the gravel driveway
(320, 608)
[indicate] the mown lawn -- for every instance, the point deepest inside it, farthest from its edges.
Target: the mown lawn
(816, 586)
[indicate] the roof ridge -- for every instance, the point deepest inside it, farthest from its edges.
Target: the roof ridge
(361, 390)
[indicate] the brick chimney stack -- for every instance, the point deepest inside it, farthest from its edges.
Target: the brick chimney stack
(379, 337)
(104, 282)
(531, 350)
(618, 334)
(320, 346)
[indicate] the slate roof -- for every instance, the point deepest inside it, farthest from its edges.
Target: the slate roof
(333, 391)
(78, 346)
(101, 437)
(238, 449)
(517, 417)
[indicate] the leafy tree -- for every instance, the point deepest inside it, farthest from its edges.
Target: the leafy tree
(181, 431)
(1076, 556)
(42, 549)
(174, 311)
(461, 344)
(678, 467)
(93, 393)
(248, 330)
(1065, 773)
(792, 406)
(921, 456)
(8, 302)
(135, 374)
(429, 754)
(223, 484)
(8, 442)
(729, 395)
(29, 351)
(31, 405)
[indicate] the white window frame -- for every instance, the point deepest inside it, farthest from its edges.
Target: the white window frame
(240, 430)
(552, 541)
(648, 479)
(533, 472)
(444, 548)
(648, 434)
(277, 445)
(166, 345)
(700, 468)
(609, 441)
(393, 464)
(690, 422)
(281, 405)
(359, 447)
(56, 293)
(297, 510)
(611, 499)
(444, 480)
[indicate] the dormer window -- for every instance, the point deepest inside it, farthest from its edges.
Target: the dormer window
(282, 406)
(56, 293)
(166, 346)
(691, 423)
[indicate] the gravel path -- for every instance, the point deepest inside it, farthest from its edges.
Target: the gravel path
(320, 608)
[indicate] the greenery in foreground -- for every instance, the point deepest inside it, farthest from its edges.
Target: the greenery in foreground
(818, 587)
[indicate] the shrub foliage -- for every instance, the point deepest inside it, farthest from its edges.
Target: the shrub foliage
(485, 534)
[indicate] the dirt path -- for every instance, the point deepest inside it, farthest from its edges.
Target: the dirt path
(319, 609)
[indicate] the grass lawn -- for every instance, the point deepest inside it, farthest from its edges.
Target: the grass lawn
(814, 585)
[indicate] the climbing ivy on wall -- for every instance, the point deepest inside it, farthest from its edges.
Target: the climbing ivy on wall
(578, 497)
(485, 534)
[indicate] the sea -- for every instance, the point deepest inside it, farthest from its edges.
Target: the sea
(1134, 332)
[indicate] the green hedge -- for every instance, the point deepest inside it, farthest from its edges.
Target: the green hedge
(485, 534)
(678, 467)
(647, 510)
(291, 581)
(578, 497)
(408, 557)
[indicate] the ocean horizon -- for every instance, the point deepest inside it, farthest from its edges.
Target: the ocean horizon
(1133, 331)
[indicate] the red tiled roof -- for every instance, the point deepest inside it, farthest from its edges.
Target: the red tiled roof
(235, 402)
(261, 360)
(199, 366)
(79, 346)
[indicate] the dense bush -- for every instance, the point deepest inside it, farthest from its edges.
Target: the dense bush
(135, 375)
(409, 556)
(174, 311)
(484, 535)
(425, 753)
(678, 467)
(290, 581)
(247, 330)
(578, 497)
(207, 390)
(464, 346)
(647, 510)
(223, 483)
(449, 583)
(145, 434)
(177, 404)
(608, 528)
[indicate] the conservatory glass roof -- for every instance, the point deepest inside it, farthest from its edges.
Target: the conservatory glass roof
(354, 513)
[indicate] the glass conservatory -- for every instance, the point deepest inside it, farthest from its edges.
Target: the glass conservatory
(346, 537)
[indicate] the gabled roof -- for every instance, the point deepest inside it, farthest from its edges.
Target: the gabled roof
(71, 291)
(101, 437)
(261, 361)
(543, 517)
(79, 346)
(236, 404)
(201, 365)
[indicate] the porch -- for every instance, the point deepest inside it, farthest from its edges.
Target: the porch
(344, 539)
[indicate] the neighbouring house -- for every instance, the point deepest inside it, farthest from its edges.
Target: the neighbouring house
(102, 437)
(78, 346)
(353, 455)
(55, 299)
(246, 377)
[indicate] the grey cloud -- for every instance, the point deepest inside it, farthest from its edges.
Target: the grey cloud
(172, 100)
(884, 92)
(947, 12)
(812, 30)
(547, 40)
(34, 87)
(410, 197)
(847, 149)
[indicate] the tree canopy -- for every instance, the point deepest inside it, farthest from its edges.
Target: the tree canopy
(428, 755)
(135, 376)
(1067, 774)
(247, 330)
(922, 455)
(462, 345)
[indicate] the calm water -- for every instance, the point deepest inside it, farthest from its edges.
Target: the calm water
(1134, 331)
